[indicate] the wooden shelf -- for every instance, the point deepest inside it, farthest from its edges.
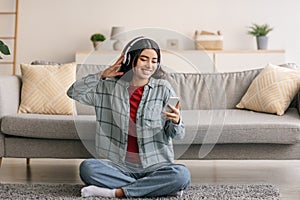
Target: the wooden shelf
(250, 51)
(195, 61)
(14, 37)
(193, 51)
(7, 38)
(7, 63)
(7, 13)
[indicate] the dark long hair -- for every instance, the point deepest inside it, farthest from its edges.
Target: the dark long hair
(133, 50)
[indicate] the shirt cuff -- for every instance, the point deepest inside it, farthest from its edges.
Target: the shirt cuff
(180, 123)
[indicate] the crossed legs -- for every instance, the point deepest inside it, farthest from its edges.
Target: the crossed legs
(116, 180)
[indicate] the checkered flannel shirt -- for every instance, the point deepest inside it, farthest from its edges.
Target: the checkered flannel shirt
(111, 101)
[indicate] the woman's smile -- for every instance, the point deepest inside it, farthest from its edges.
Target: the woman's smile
(145, 67)
(147, 71)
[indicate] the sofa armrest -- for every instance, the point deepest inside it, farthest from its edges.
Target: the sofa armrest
(10, 88)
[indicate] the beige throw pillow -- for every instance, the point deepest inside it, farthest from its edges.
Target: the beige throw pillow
(272, 90)
(44, 88)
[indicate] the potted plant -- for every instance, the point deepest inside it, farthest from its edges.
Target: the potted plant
(4, 49)
(260, 32)
(97, 39)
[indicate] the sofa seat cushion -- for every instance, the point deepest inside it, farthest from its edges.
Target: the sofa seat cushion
(240, 126)
(202, 126)
(45, 126)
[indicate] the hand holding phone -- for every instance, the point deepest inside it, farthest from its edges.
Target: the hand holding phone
(173, 102)
(173, 115)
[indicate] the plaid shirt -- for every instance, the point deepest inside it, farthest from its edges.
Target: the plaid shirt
(111, 101)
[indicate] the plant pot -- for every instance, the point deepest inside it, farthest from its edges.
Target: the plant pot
(262, 42)
(97, 45)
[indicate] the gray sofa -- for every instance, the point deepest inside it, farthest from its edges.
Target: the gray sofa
(215, 129)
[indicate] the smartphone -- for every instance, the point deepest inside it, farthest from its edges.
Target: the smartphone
(172, 101)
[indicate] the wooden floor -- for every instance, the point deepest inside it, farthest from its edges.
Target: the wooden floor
(284, 174)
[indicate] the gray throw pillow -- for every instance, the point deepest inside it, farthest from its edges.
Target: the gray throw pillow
(290, 65)
(44, 62)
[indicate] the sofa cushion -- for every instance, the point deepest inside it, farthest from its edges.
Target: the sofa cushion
(211, 91)
(272, 90)
(44, 88)
(45, 62)
(202, 126)
(47, 126)
(240, 126)
(290, 65)
(82, 70)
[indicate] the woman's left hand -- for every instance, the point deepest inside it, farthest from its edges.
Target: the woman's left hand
(174, 115)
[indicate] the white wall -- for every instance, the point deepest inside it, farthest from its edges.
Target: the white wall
(56, 29)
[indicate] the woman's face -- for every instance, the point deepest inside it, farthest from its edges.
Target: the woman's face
(146, 64)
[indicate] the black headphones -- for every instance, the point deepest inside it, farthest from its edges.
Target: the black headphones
(127, 56)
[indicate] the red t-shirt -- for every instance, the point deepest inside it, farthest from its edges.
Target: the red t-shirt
(135, 94)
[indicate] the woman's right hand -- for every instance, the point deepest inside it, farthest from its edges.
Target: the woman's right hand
(112, 71)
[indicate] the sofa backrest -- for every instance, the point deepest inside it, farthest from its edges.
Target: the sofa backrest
(196, 90)
(213, 90)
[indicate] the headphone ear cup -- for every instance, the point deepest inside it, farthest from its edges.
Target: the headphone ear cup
(128, 59)
(127, 48)
(125, 58)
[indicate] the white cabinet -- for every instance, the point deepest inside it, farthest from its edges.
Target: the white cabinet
(230, 61)
(187, 61)
(194, 61)
(179, 61)
(96, 57)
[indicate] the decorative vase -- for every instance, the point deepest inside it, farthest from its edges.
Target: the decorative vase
(118, 34)
(97, 45)
(262, 42)
(118, 45)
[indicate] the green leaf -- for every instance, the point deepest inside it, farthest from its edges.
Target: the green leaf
(4, 48)
(259, 30)
(97, 37)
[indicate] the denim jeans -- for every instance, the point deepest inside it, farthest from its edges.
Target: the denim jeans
(157, 180)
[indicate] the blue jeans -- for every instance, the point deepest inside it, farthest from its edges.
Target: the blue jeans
(157, 180)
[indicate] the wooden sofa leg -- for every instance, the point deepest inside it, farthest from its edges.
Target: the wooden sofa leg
(27, 161)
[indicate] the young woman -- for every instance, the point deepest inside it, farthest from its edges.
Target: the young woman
(134, 132)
